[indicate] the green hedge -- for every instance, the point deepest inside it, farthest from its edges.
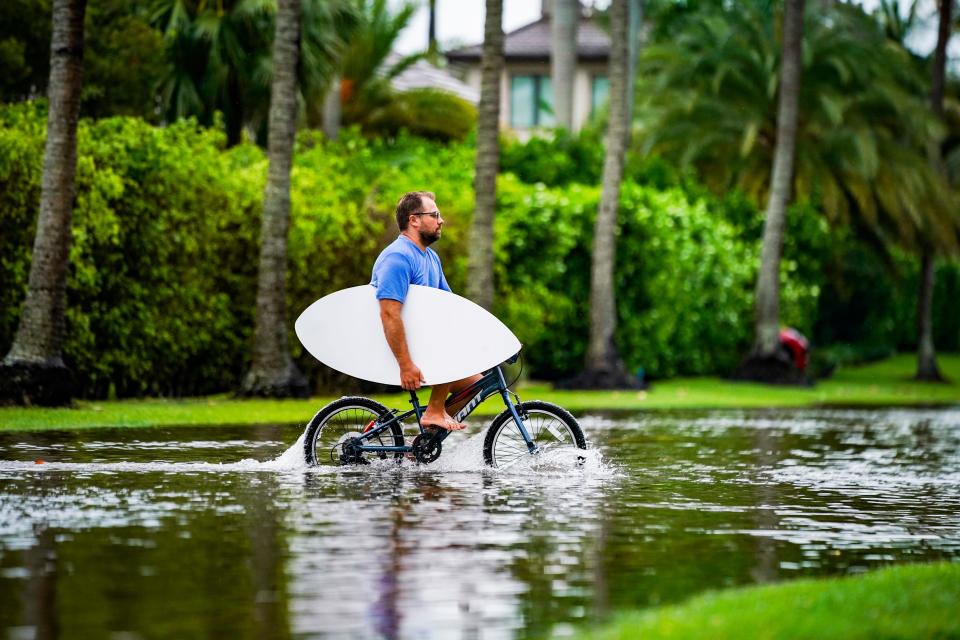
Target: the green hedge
(159, 297)
(163, 265)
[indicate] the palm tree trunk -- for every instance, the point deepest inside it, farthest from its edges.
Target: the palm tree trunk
(332, 111)
(480, 261)
(926, 355)
(273, 372)
(564, 16)
(927, 368)
(767, 339)
(633, 37)
(432, 29)
(603, 365)
(33, 371)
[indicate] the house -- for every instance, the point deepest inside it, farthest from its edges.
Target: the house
(525, 94)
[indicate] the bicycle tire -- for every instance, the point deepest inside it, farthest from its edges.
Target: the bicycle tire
(497, 453)
(350, 414)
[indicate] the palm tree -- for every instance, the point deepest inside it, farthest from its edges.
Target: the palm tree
(564, 19)
(33, 372)
(927, 368)
(763, 363)
(432, 29)
(368, 64)
(273, 372)
(220, 57)
(708, 101)
(480, 261)
(218, 53)
(633, 38)
(332, 109)
(603, 367)
(708, 97)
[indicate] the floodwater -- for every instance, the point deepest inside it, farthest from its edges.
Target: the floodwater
(221, 532)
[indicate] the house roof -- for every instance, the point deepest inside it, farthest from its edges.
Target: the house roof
(422, 74)
(531, 43)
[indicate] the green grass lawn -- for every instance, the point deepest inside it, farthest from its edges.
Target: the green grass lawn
(883, 383)
(912, 601)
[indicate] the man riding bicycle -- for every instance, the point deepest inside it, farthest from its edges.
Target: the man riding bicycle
(410, 260)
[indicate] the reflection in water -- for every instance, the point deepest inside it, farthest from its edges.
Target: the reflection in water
(187, 532)
(765, 446)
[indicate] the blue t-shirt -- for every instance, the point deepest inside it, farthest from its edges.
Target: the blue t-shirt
(402, 264)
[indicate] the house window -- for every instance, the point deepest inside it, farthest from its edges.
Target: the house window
(531, 102)
(599, 92)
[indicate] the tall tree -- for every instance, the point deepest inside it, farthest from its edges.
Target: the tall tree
(480, 264)
(219, 54)
(633, 49)
(33, 372)
(564, 19)
(603, 365)
(273, 372)
(763, 363)
(432, 29)
(861, 145)
(368, 64)
(927, 368)
(332, 109)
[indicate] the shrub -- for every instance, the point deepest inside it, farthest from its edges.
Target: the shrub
(163, 265)
(430, 113)
(154, 302)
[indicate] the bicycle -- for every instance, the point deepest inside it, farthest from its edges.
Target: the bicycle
(346, 430)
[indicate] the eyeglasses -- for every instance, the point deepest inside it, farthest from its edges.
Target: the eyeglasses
(433, 214)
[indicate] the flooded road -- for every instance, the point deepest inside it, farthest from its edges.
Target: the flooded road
(222, 532)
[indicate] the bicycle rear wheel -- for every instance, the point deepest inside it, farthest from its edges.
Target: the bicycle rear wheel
(342, 419)
(551, 427)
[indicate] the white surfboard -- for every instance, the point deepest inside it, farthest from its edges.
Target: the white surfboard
(449, 337)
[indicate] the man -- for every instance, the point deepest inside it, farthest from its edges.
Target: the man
(410, 260)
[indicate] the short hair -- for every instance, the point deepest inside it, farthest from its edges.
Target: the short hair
(410, 203)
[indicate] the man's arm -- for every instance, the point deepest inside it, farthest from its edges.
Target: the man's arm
(411, 377)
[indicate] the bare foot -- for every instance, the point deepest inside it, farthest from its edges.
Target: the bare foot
(445, 422)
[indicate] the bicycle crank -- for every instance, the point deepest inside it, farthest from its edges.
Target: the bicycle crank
(426, 447)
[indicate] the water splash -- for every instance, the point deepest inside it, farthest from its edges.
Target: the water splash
(464, 454)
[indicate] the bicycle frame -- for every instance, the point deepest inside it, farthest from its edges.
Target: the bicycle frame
(491, 383)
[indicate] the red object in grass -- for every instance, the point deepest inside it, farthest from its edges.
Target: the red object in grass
(798, 346)
(39, 461)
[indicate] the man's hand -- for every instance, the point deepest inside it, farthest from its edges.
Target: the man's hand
(411, 378)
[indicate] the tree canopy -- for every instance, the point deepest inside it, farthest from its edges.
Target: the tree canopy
(707, 99)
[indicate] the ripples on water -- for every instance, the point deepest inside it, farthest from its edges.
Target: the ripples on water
(226, 527)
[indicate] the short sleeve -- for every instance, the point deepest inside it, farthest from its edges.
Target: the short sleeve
(393, 276)
(443, 282)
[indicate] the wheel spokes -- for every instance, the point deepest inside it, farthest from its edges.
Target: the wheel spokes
(548, 432)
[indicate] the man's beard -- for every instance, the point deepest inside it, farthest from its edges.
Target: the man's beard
(429, 237)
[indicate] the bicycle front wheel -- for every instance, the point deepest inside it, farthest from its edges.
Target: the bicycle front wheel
(551, 427)
(342, 419)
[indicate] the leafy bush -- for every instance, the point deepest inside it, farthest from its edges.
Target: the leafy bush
(153, 305)
(165, 243)
(684, 279)
(554, 161)
(430, 113)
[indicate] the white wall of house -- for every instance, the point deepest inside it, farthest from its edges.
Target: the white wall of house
(582, 90)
